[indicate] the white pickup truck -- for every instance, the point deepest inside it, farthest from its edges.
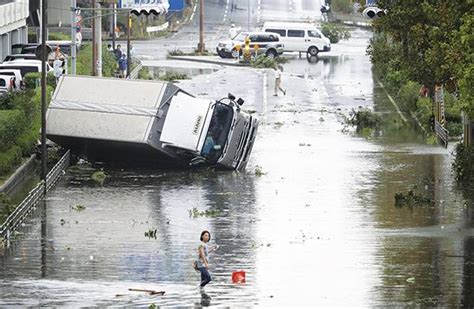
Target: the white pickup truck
(148, 122)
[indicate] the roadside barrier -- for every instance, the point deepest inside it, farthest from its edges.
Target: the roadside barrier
(18, 216)
(134, 73)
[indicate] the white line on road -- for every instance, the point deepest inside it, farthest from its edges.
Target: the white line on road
(265, 103)
(393, 102)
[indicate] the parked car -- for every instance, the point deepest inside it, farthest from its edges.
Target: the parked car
(30, 48)
(268, 44)
(13, 73)
(299, 37)
(6, 83)
(20, 56)
(25, 66)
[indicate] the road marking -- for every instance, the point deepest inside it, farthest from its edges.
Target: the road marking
(393, 102)
(265, 103)
(194, 11)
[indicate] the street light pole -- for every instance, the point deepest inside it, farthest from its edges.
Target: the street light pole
(43, 94)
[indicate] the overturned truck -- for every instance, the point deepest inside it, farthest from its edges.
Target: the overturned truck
(143, 122)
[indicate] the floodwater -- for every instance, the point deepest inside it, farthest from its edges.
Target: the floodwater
(316, 225)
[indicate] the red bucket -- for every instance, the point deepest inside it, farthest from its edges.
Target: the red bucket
(238, 276)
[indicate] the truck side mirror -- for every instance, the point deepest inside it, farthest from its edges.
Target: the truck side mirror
(231, 96)
(240, 101)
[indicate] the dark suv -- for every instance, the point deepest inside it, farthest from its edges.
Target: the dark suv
(268, 44)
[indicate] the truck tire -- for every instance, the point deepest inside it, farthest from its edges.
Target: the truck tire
(313, 51)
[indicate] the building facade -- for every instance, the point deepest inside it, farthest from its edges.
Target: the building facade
(13, 29)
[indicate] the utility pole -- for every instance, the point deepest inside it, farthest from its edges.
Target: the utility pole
(98, 40)
(129, 58)
(114, 16)
(43, 94)
(94, 56)
(201, 47)
(73, 37)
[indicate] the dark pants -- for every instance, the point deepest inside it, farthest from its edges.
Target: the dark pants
(205, 276)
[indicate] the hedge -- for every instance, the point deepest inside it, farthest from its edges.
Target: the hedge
(12, 122)
(9, 159)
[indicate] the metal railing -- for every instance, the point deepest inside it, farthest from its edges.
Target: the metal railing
(21, 212)
(134, 73)
(442, 133)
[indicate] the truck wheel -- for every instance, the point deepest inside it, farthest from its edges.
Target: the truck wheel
(313, 51)
(271, 53)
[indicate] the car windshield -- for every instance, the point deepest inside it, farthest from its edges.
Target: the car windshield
(240, 37)
(218, 131)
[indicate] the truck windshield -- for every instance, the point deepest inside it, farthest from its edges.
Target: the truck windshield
(218, 131)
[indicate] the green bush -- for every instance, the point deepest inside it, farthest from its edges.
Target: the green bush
(263, 61)
(364, 119)
(408, 96)
(11, 124)
(33, 80)
(84, 61)
(463, 164)
(9, 158)
(58, 36)
(335, 32)
(342, 6)
(173, 76)
(454, 128)
(424, 107)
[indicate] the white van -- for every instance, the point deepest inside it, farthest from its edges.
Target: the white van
(299, 37)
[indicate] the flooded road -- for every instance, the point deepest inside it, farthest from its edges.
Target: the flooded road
(312, 220)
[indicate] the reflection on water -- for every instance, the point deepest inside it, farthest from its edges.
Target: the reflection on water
(157, 72)
(317, 227)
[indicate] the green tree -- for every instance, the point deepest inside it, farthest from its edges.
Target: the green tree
(426, 32)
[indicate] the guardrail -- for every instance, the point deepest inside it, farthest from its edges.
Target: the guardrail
(442, 133)
(16, 218)
(134, 73)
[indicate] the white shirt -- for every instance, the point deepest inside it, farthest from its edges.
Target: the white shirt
(277, 73)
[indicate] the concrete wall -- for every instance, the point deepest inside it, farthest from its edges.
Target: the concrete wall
(13, 25)
(59, 12)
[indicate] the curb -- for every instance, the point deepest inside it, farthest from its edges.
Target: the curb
(18, 176)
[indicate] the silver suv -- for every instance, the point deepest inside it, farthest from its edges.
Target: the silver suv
(268, 44)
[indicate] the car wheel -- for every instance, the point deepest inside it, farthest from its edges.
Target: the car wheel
(313, 51)
(222, 53)
(235, 53)
(271, 53)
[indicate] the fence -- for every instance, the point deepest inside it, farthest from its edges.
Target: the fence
(33, 198)
(442, 133)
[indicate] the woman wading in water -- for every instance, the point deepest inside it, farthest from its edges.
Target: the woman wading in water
(202, 263)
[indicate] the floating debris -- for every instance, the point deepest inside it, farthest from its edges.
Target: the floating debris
(78, 207)
(99, 177)
(151, 233)
(196, 213)
(258, 171)
(411, 199)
